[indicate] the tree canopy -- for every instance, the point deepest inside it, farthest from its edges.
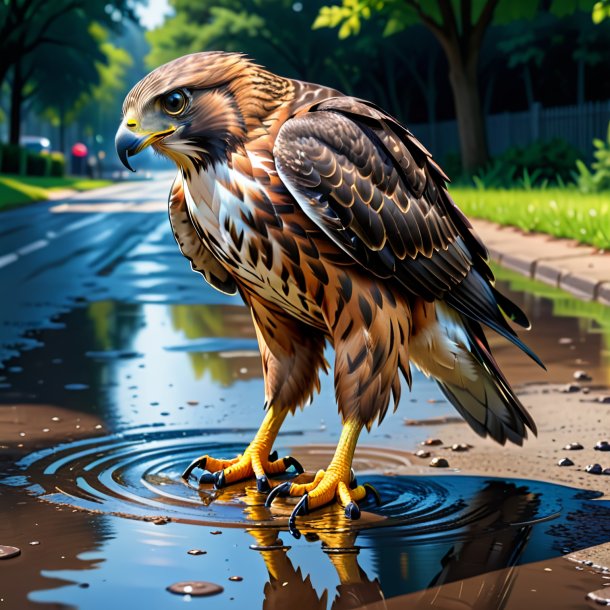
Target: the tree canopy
(459, 26)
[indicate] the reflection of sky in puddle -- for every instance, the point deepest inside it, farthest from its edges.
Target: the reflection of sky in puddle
(162, 357)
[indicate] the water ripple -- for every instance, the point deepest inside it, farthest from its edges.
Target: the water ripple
(137, 475)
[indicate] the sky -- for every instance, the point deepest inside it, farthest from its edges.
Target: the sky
(152, 13)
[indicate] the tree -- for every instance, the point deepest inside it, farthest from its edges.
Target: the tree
(459, 27)
(79, 85)
(35, 29)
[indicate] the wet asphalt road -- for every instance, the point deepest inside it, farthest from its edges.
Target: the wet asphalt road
(50, 252)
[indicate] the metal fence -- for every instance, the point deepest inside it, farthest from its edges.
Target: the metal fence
(578, 125)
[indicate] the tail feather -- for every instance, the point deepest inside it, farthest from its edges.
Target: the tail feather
(488, 404)
(455, 352)
(479, 301)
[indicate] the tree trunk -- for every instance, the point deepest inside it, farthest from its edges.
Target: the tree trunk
(62, 130)
(471, 125)
(16, 101)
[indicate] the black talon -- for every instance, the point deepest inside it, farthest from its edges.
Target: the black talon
(290, 461)
(198, 463)
(353, 481)
(262, 484)
(273, 456)
(373, 492)
(280, 490)
(219, 479)
(206, 477)
(300, 509)
(352, 511)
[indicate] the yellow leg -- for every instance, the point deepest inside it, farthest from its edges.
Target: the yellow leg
(330, 484)
(256, 459)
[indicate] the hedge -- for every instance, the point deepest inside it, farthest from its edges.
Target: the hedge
(18, 160)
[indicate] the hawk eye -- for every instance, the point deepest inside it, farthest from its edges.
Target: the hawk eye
(174, 102)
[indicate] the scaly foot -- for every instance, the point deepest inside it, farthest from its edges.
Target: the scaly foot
(256, 459)
(336, 482)
(326, 487)
(253, 462)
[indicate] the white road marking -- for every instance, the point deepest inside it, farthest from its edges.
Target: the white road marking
(35, 245)
(98, 210)
(8, 259)
(112, 208)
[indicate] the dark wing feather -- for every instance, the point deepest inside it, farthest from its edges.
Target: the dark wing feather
(373, 189)
(202, 260)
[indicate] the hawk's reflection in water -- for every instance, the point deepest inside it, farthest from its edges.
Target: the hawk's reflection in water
(485, 542)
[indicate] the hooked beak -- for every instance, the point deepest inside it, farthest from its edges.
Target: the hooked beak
(129, 142)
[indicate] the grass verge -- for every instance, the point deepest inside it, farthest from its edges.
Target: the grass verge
(560, 212)
(20, 190)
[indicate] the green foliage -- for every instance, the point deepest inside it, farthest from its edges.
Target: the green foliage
(601, 11)
(348, 15)
(38, 165)
(20, 161)
(556, 211)
(598, 178)
(534, 166)
(58, 165)
(14, 159)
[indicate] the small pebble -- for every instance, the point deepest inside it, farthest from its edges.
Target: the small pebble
(581, 376)
(570, 388)
(196, 552)
(430, 442)
(565, 341)
(439, 462)
(215, 532)
(605, 400)
(573, 447)
(422, 454)
(460, 447)
(192, 403)
(235, 578)
(195, 587)
(594, 469)
(565, 462)
(6, 552)
(606, 471)
(35, 542)
(602, 446)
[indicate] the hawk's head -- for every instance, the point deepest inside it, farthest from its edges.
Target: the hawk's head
(197, 109)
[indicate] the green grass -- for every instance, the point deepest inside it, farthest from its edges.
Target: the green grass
(19, 190)
(559, 212)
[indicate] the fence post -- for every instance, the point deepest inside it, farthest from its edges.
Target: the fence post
(535, 121)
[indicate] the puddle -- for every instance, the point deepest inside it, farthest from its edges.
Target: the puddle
(137, 370)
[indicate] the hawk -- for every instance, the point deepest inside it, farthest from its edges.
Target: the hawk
(333, 223)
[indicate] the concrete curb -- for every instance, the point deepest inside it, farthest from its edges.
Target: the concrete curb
(581, 270)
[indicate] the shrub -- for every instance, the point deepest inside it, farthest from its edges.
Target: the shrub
(14, 159)
(529, 167)
(537, 165)
(551, 160)
(599, 179)
(58, 165)
(38, 165)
